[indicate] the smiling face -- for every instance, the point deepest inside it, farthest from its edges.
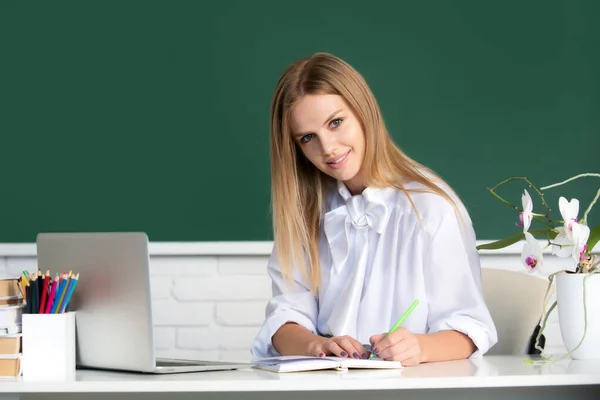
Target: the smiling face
(331, 137)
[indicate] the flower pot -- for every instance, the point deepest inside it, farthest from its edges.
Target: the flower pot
(571, 317)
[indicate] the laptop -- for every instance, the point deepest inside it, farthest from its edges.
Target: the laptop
(113, 301)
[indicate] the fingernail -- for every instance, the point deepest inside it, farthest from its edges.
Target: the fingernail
(321, 354)
(365, 356)
(344, 354)
(376, 351)
(355, 355)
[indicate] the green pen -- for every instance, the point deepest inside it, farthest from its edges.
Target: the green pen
(401, 320)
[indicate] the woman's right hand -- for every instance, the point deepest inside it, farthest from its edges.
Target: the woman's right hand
(340, 346)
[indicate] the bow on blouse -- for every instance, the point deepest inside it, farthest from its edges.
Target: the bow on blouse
(359, 214)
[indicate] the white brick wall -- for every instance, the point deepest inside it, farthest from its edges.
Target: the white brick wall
(211, 306)
(208, 307)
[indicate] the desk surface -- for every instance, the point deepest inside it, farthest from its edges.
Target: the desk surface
(488, 372)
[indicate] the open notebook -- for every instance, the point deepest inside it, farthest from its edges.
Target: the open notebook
(307, 363)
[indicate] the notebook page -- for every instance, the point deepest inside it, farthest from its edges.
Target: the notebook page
(370, 363)
(286, 358)
(296, 364)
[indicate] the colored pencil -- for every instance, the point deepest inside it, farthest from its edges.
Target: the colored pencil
(28, 291)
(60, 294)
(401, 320)
(34, 293)
(21, 284)
(52, 295)
(44, 292)
(40, 286)
(71, 289)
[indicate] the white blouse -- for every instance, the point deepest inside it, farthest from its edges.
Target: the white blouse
(376, 259)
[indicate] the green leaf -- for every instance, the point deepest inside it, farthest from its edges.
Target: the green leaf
(545, 233)
(594, 238)
(499, 244)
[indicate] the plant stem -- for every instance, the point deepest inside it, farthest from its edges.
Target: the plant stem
(502, 200)
(547, 223)
(584, 220)
(532, 186)
(542, 328)
(546, 313)
(571, 179)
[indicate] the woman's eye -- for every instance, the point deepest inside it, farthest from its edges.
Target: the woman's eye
(335, 123)
(306, 138)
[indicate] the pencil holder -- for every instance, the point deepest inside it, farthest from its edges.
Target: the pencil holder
(48, 346)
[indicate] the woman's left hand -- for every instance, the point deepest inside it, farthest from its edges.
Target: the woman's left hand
(401, 345)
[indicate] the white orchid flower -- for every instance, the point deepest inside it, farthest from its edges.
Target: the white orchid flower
(562, 246)
(568, 211)
(577, 233)
(527, 215)
(580, 234)
(531, 255)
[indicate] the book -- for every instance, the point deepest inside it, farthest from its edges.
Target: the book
(11, 315)
(9, 287)
(307, 363)
(11, 329)
(11, 301)
(10, 344)
(10, 365)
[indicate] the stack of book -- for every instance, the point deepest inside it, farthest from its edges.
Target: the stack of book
(12, 304)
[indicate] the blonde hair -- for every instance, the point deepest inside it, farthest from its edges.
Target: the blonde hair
(298, 188)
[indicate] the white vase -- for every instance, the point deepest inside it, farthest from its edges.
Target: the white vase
(571, 317)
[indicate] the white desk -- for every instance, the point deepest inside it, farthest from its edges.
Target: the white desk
(493, 377)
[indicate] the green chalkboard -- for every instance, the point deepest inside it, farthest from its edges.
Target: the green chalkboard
(153, 115)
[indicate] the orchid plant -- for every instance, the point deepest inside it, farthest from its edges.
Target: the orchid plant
(568, 237)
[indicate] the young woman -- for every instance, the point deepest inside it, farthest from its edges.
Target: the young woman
(361, 231)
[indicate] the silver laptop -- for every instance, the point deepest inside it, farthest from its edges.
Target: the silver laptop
(112, 301)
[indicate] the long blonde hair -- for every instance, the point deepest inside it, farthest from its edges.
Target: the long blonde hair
(298, 188)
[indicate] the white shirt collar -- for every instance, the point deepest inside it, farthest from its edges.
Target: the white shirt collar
(343, 191)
